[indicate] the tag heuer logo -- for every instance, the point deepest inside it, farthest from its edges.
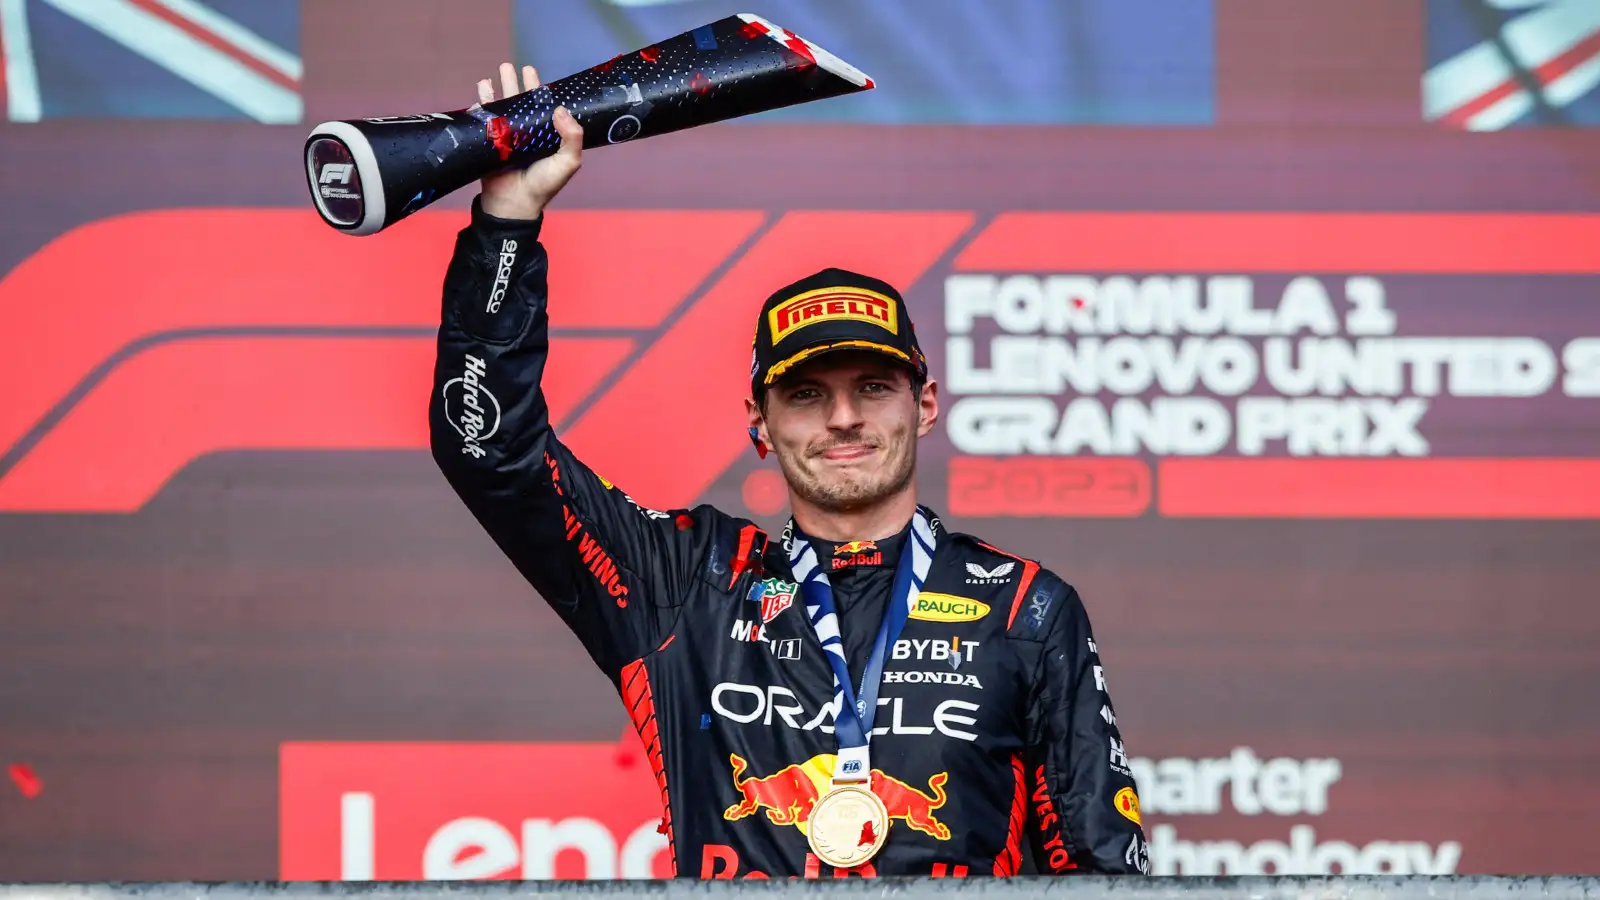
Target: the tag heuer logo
(776, 596)
(998, 575)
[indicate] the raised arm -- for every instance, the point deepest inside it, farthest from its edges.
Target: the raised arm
(610, 568)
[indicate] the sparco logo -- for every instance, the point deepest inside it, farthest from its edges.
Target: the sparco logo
(473, 418)
(502, 276)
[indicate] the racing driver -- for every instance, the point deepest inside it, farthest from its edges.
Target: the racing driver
(866, 694)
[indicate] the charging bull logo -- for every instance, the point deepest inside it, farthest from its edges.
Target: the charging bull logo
(789, 794)
(856, 553)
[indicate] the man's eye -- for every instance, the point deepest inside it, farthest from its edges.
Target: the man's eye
(875, 387)
(804, 394)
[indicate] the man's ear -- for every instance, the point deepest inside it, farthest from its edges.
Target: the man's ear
(758, 427)
(927, 408)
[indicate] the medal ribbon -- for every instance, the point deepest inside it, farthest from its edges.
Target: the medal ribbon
(858, 708)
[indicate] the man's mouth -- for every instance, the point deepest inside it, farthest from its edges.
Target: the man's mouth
(846, 452)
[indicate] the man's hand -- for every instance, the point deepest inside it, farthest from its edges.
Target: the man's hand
(523, 193)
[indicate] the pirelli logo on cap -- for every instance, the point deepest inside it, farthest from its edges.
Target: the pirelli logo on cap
(830, 305)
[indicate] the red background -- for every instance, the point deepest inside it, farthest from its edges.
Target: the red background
(220, 532)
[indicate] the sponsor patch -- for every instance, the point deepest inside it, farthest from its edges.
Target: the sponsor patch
(998, 575)
(1138, 855)
(1128, 804)
(471, 410)
(777, 595)
(948, 608)
(1119, 758)
(856, 553)
(832, 304)
(915, 677)
(953, 651)
(502, 276)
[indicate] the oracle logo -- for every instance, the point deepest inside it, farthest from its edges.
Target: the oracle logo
(473, 847)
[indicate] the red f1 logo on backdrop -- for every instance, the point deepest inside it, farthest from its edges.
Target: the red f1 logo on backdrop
(210, 330)
(223, 329)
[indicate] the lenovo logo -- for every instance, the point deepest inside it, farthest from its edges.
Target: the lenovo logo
(410, 811)
(474, 847)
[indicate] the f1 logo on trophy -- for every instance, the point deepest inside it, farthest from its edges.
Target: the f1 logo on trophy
(367, 174)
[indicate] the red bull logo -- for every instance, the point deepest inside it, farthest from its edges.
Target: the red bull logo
(789, 794)
(854, 547)
(856, 553)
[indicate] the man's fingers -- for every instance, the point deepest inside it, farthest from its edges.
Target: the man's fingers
(567, 126)
(571, 136)
(530, 78)
(508, 79)
(485, 91)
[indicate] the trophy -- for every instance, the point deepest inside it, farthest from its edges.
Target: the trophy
(367, 174)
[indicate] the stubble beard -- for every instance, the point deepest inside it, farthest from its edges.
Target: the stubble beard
(850, 493)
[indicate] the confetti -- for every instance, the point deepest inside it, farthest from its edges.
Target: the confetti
(650, 54)
(684, 522)
(26, 781)
(499, 131)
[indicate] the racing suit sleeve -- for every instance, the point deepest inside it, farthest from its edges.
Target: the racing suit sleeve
(1084, 814)
(611, 569)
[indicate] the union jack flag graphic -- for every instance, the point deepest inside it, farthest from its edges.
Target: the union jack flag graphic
(1495, 64)
(159, 59)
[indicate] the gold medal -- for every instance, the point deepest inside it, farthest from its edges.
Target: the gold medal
(847, 826)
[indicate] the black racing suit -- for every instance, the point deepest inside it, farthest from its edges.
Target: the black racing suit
(995, 746)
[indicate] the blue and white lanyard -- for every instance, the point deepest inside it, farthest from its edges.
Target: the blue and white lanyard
(857, 709)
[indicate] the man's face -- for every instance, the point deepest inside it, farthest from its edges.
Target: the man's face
(844, 427)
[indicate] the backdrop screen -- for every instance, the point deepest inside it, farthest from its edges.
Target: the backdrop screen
(1271, 325)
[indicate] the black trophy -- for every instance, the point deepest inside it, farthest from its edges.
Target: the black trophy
(367, 174)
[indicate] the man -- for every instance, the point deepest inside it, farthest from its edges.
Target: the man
(871, 694)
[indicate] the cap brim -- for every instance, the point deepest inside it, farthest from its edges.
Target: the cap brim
(782, 367)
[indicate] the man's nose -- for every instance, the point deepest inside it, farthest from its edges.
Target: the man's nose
(843, 413)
